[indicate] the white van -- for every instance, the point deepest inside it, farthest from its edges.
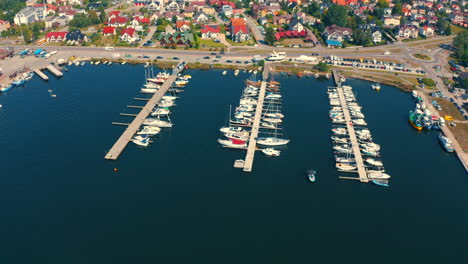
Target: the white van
(108, 48)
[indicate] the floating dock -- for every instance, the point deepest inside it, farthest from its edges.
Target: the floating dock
(54, 70)
(249, 157)
(352, 136)
(41, 74)
(127, 135)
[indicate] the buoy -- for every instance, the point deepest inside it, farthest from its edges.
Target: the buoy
(115, 169)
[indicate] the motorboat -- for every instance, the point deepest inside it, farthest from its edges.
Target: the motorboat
(378, 175)
(231, 129)
(344, 159)
(166, 103)
(272, 141)
(311, 174)
(339, 139)
(141, 140)
(224, 72)
(271, 152)
(359, 121)
(157, 122)
(149, 130)
(383, 183)
(169, 97)
(276, 56)
(376, 86)
(340, 130)
(342, 149)
(148, 90)
(236, 72)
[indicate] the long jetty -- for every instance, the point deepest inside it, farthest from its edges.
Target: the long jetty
(361, 168)
(54, 70)
(41, 74)
(249, 157)
(128, 134)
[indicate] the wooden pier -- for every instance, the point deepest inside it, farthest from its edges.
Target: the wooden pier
(336, 78)
(42, 75)
(249, 157)
(352, 136)
(54, 70)
(127, 135)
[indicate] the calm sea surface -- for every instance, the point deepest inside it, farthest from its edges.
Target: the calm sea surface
(181, 201)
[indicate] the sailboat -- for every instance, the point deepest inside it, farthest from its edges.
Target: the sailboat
(271, 152)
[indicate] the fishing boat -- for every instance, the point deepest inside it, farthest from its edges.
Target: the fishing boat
(149, 130)
(374, 162)
(311, 175)
(345, 167)
(6, 88)
(376, 86)
(232, 144)
(378, 175)
(271, 152)
(141, 141)
(446, 143)
(415, 120)
(157, 122)
(383, 183)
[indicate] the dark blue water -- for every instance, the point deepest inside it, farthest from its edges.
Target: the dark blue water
(181, 201)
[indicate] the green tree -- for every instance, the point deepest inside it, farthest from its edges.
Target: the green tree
(336, 14)
(461, 45)
(323, 67)
(382, 4)
(397, 8)
(174, 19)
(443, 26)
(313, 9)
(93, 17)
(361, 37)
(270, 36)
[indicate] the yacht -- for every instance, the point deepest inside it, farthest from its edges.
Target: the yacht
(271, 152)
(276, 56)
(374, 162)
(232, 144)
(160, 111)
(157, 122)
(345, 167)
(149, 130)
(378, 175)
(272, 141)
(446, 142)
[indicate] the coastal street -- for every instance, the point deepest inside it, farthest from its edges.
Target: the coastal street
(254, 29)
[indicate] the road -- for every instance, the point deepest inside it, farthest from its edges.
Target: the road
(152, 30)
(255, 31)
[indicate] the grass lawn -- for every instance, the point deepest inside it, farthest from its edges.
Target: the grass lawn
(421, 56)
(448, 108)
(460, 132)
(245, 43)
(210, 43)
(456, 29)
(107, 40)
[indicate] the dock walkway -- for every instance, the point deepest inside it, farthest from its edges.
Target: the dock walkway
(352, 136)
(41, 74)
(128, 134)
(249, 157)
(54, 70)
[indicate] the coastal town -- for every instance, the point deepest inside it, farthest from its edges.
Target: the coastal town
(418, 46)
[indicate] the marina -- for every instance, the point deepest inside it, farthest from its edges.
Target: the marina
(132, 129)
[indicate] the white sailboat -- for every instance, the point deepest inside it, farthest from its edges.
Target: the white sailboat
(157, 122)
(149, 130)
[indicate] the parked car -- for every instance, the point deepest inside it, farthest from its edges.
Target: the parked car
(206, 57)
(218, 56)
(213, 53)
(146, 57)
(229, 61)
(159, 57)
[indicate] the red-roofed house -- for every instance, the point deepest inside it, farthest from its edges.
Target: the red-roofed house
(239, 30)
(4, 25)
(223, 3)
(210, 32)
(427, 31)
(113, 14)
(50, 9)
(183, 26)
(118, 22)
(56, 36)
(108, 31)
(128, 35)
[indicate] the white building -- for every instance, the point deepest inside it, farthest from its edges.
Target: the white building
(29, 15)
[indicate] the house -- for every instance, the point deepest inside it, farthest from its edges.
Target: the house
(173, 6)
(284, 19)
(227, 10)
(175, 39)
(373, 30)
(201, 17)
(128, 35)
(189, 11)
(183, 26)
(94, 6)
(335, 35)
(50, 9)
(376, 36)
(210, 32)
(170, 14)
(262, 21)
(427, 31)
(155, 5)
(113, 14)
(296, 25)
(169, 30)
(62, 10)
(76, 37)
(29, 15)
(56, 36)
(391, 20)
(108, 31)
(55, 22)
(4, 25)
(408, 31)
(208, 10)
(118, 21)
(239, 31)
